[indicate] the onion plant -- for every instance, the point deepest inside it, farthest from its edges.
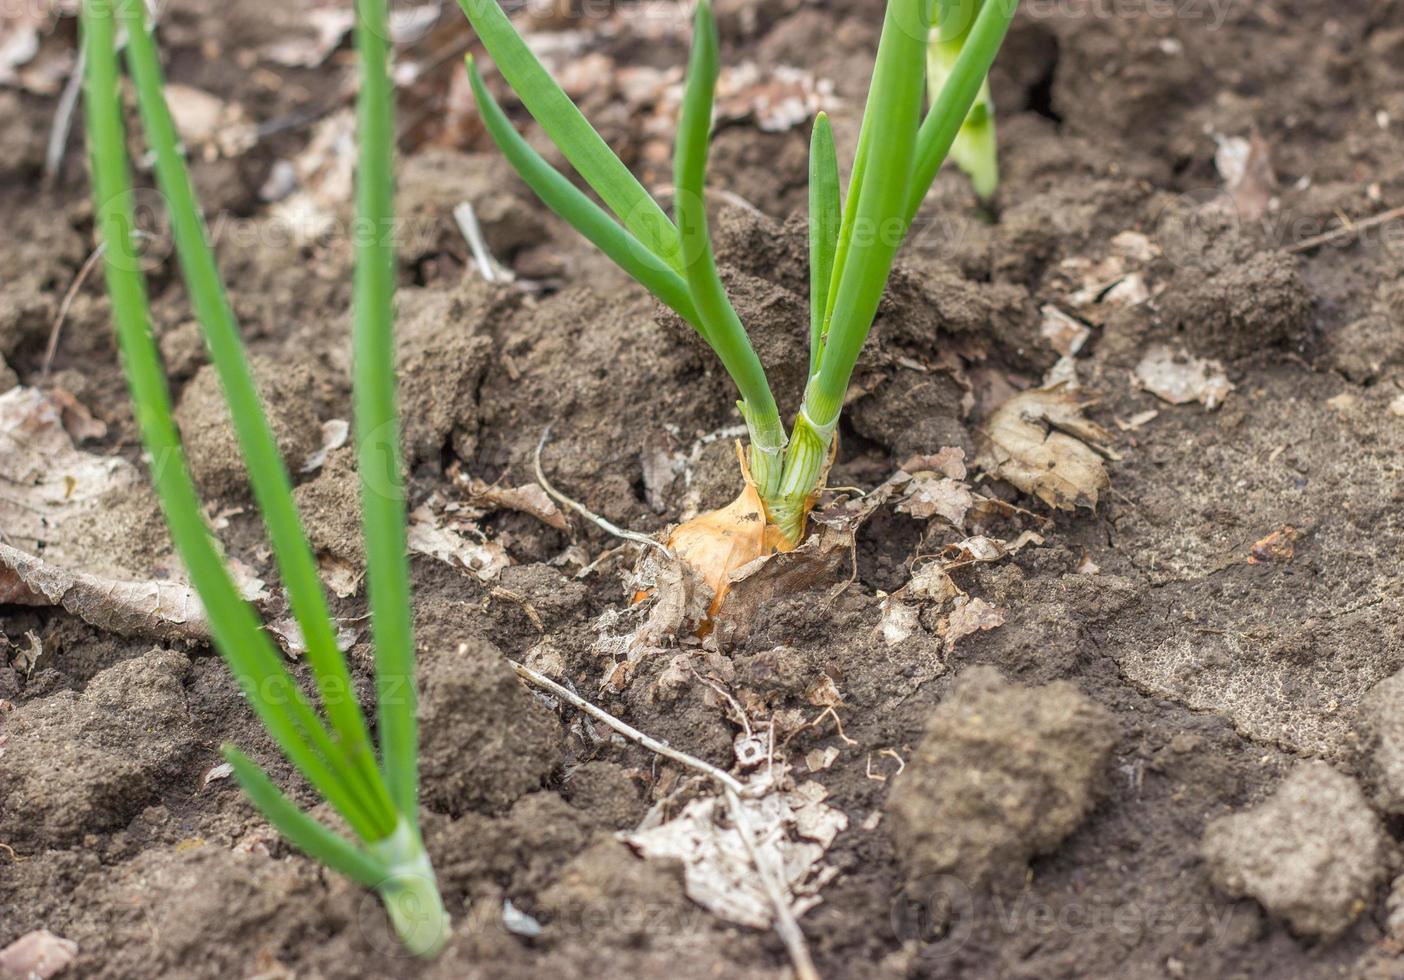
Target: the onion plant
(975, 150)
(854, 236)
(376, 796)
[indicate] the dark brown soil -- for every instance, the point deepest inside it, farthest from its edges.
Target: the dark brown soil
(1149, 678)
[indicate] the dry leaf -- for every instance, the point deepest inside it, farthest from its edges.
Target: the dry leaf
(324, 172)
(222, 771)
(792, 831)
(1137, 420)
(36, 955)
(1064, 334)
(931, 583)
(926, 497)
(824, 693)
(970, 616)
(676, 604)
(427, 536)
(816, 562)
(1178, 378)
(158, 610)
(1042, 443)
(948, 461)
(898, 621)
(44, 479)
(33, 55)
(329, 25)
(777, 97)
(1279, 547)
(334, 434)
(203, 120)
(288, 633)
(1246, 169)
(529, 499)
(339, 575)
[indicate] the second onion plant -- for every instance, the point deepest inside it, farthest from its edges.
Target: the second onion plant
(853, 237)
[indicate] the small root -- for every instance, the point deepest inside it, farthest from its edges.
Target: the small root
(605, 525)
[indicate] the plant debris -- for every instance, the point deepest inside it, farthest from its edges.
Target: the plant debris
(428, 535)
(33, 55)
(334, 434)
(1178, 378)
(37, 955)
(44, 478)
(792, 831)
(1246, 169)
(152, 609)
(529, 498)
(1042, 443)
(207, 123)
(1278, 548)
(967, 617)
(936, 487)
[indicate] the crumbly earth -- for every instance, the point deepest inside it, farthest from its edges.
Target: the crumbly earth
(1002, 773)
(1313, 854)
(1223, 657)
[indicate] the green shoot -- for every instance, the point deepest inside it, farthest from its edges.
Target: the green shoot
(853, 240)
(975, 150)
(378, 802)
(825, 213)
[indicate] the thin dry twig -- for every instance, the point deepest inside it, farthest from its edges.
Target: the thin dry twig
(488, 267)
(1348, 230)
(605, 525)
(51, 349)
(527, 607)
(627, 730)
(785, 925)
(63, 120)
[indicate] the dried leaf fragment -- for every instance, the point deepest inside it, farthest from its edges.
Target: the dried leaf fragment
(1178, 378)
(36, 955)
(1041, 442)
(1279, 547)
(1246, 168)
(426, 535)
(528, 499)
(154, 609)
(898, 622)
(204, 120)
(44, 478)
(928, 496)
(970, 616)
(1065, 334)
(793, 829)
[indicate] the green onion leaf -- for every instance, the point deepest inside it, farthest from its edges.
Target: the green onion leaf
(302, 830)
(948, 113)
(887, 149)
(723, 327)
(271, 486)
(583, 214)
(572, 133)
(383, 510)
(272, 691)
(824, 221)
